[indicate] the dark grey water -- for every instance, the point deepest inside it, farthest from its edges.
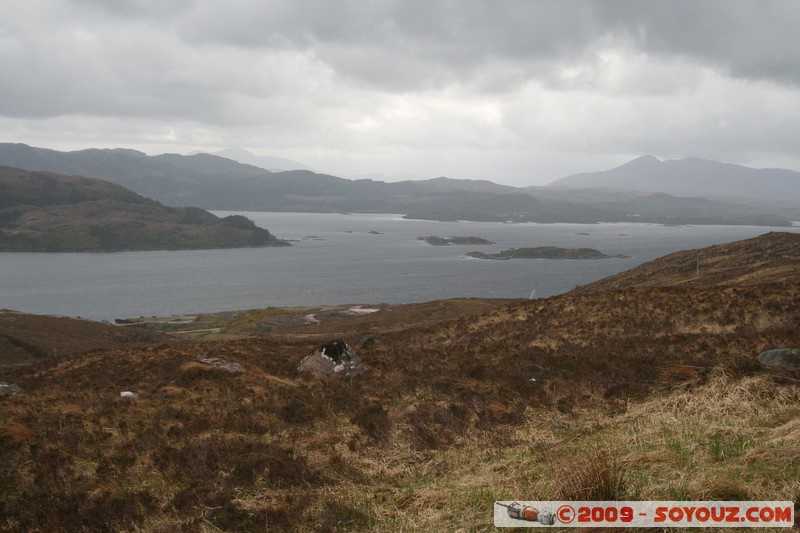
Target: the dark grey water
(344, 264)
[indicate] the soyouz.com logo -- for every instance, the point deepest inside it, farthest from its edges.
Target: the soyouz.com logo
(643, 514)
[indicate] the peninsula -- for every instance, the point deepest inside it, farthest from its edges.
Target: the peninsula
(47, 212)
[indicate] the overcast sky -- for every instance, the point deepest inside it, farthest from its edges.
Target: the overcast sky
(520, 92)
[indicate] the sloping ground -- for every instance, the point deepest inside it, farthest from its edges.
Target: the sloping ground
(447, 419)
(643, 393)
(26, 338)
(41, 211)
(774, 256)
(318, 322)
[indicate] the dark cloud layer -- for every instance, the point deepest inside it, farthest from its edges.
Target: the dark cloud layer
(356, 83)
(746, 38)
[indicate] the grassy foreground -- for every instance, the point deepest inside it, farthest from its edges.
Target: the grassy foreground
(206, 451)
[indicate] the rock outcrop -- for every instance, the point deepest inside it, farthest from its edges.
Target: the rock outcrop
(333, 358)
(785, 358)
(9, 389)
(220, 364)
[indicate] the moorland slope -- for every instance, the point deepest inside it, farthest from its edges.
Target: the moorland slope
(774, 257)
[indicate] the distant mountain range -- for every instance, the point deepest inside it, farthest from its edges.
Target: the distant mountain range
(157, 177)
(691, 177)
(214, 182)
(273, 164)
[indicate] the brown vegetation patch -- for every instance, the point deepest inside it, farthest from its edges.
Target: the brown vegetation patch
(16, 433)
(770, 258)
(26, 338)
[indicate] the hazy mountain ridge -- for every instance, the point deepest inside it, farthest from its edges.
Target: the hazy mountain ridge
(273, 164)
(213, 182)
(691, 177)
(153, 176)
(43, 211)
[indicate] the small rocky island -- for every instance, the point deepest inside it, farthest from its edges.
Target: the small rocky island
(545, 252)
(433, 240)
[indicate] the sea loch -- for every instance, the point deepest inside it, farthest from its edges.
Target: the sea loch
(337, 259)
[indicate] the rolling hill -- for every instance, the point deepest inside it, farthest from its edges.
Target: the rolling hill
(774, 257)
(155, 177)
(273, 164)
(42, 211)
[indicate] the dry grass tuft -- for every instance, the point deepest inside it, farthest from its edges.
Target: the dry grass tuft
(713, 485)
(596, 475)
(678, 374)
(726, 395)
(782, 445)
(788, 433)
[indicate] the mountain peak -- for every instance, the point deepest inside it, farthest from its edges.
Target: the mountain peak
(643, 161)
(691, 177)
(232, 153)
(273, 164)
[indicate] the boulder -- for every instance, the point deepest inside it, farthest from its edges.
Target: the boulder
(220, 364)
(333, 358)
(785, 357)
(368, 341)
(9, 389)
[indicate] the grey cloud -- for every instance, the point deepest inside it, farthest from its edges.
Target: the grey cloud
(390, 45)
(454, 39)
(748, 39)
(153, 10)
(448, 40)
